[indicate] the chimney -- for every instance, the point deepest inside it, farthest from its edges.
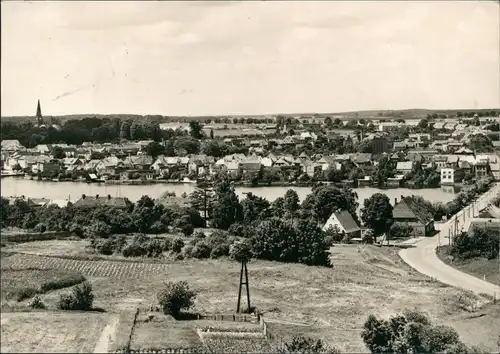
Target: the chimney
(109, 196)
(97, 196)
(395, 201)
(83, 196)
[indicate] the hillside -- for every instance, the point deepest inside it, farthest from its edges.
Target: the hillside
(370, 114)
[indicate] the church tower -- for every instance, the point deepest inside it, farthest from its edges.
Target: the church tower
(39, 118)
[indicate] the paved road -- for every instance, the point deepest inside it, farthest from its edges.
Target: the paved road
(423, 256)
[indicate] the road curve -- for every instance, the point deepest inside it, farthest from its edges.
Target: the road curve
(423, 258)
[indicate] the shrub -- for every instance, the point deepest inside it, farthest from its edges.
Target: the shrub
(187, 229)
(167, 244)
(201, 251)
(199, 235)
(177, 245)
(241, 251)
(301, 344)
(80, 299)
(175, 297)
(219, 251)
(25, 293)
(62, 282)
(40, 227)
(36, 302)
(154, 248)
(368, 237)
(187, 250)
(216, 238)
(134, 250)
(179, 257)
(106, 247)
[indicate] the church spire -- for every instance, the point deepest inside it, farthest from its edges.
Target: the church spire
(39, 114)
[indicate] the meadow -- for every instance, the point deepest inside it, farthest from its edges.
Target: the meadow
(331, 304)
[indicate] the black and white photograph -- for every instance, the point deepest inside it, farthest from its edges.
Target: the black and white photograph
(202, 177)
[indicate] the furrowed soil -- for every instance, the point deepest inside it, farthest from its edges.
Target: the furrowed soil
(327, 303)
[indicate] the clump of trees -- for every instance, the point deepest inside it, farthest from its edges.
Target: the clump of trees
(481, 242)
(411, 332)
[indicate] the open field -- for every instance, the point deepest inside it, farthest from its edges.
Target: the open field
(57, 332)
(295, 298)
(486, 269)
(23, 283)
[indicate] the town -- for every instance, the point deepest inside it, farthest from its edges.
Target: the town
(415, 153)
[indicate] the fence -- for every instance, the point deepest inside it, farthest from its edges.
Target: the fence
(35, 236)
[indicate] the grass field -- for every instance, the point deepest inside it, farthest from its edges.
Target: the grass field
(486, 269)
(331, 304)
(23, 283)
(57, 332)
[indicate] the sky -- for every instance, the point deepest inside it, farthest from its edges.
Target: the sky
(197, 58)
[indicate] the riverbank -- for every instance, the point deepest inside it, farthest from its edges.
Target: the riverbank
(16, 187)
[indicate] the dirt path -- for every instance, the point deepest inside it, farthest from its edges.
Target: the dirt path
(107, 335)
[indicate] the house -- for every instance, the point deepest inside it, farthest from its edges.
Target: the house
(345, 223)
(362, 159)
(406, 212)
(250, 168)
(113, 202)
(11, 145)
(404, 167)
(450, 176)
(46, 167)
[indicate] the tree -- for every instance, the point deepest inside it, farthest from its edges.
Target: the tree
(211, 133)
(410, 332)
(424, 123)
(125, 130)
(254, 208)
(328, 199)
(202, 198)
(481, 143)
(80, 299)
(377, 213)
(58, 152)
(154, 149)
(195, 129)
(291, 203)
(176, 296)
(226, 207)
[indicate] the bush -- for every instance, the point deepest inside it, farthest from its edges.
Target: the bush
(301, 344)
(154, 248)
(134, 250)
(179, 257)
(187, 250)
(167, 244)
(175, 297)
(177, 245)
(219, 251)
(201, 250)
(80, 299)
(400, 230)
(216, 238)
(106, 247)
(241, 251)
(40, 227)
(36, 303)
(26, 293)
(368, 237)
(62, 283)
(199, 235)
(187, 229)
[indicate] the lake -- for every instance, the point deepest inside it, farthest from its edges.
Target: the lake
(14, 186)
